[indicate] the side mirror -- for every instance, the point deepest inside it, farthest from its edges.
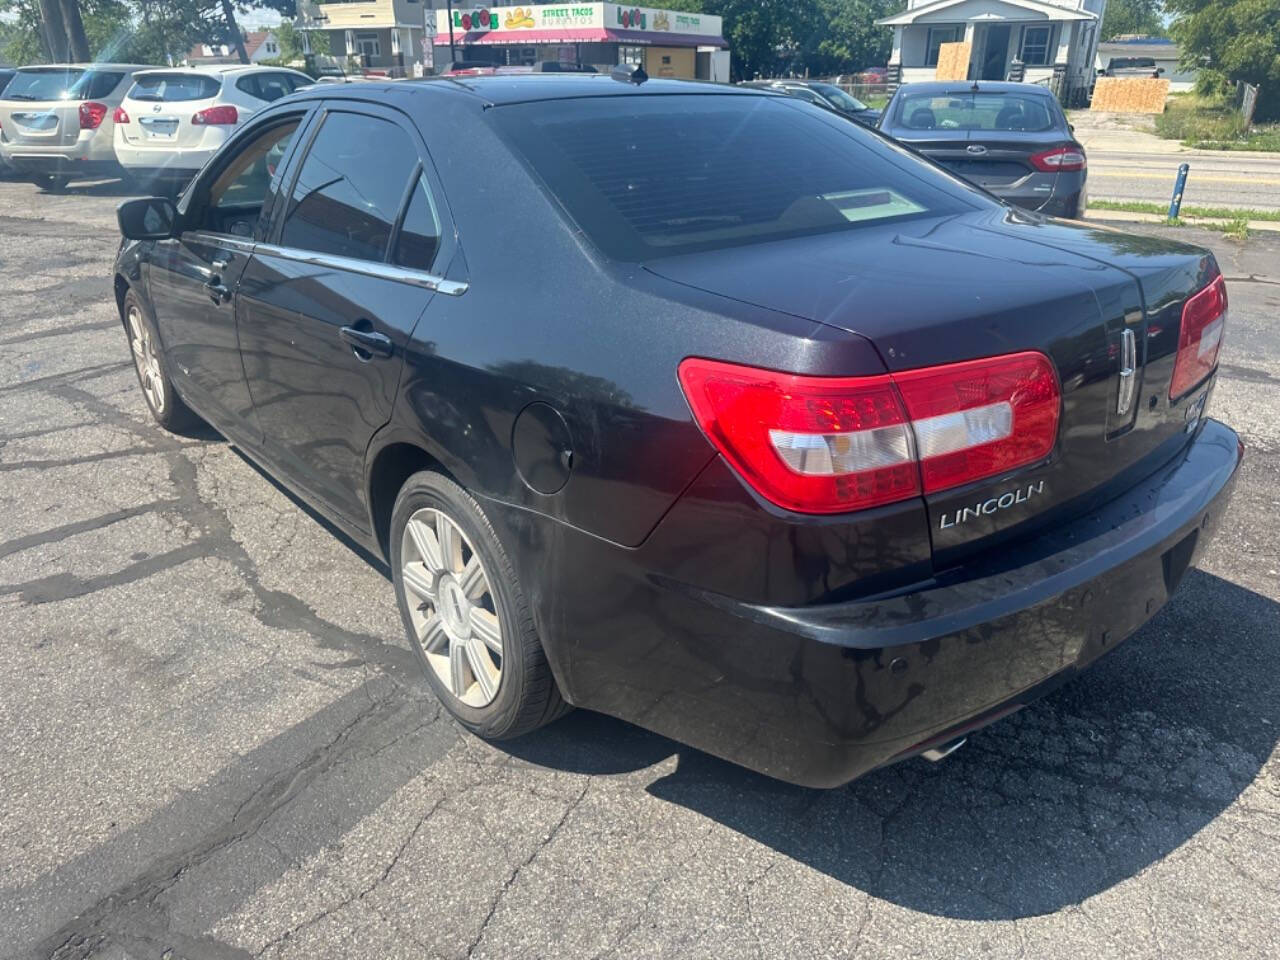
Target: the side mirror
(148, 218)
(1159, 70)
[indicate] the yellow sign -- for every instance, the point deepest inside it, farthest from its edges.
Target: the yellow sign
(519, 19)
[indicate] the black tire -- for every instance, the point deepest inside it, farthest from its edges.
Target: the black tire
(527, 696)
(170, 412)
(50, 182)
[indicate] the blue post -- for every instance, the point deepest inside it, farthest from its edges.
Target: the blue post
(1179, 185)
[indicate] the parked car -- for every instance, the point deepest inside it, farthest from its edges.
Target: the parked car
(175, 118)
(561, 66)
(468, 68)
(833, 460)
(1011, 139)
(1131, 67)
(6, 74)
(822, 94)
(58, 121)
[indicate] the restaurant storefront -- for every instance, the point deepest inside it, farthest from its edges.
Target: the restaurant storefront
(667, 43)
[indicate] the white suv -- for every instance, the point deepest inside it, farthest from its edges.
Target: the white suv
(174, 119)
(56, 122)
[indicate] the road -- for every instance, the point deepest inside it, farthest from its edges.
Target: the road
(1216, 179)
(1130, 163)
(217, 747)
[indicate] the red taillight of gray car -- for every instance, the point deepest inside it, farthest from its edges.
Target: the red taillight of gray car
(1204, 317)
(839, 444)
(92, 114)
(1058, 158)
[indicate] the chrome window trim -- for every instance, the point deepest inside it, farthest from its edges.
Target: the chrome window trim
(238, 244)
(383, 271)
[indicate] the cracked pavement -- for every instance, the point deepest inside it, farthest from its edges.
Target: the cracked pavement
(216, 744)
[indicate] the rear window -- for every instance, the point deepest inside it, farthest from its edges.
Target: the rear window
(175, 87)
(977, 111)
(42, 84)
(663, 175)
(94, 85)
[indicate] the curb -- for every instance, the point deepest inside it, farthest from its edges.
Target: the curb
(1125, 216)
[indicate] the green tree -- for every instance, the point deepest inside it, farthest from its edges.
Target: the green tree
(1134, 17)
(1230, 41)
(845, 37)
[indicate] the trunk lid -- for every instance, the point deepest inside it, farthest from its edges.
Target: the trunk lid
(940, 291)
(160, 107)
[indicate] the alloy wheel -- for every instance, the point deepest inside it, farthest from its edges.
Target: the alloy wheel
(452, 608)
(145, 359)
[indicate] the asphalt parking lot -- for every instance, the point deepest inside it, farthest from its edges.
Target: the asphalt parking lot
(216, 746)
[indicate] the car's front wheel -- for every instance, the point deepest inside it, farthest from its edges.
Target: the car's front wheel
(148, 362)
(465, 614)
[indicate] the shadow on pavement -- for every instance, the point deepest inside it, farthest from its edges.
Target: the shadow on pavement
(1043, 809)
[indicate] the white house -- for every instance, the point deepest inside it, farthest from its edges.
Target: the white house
(259, 45)
(1040, 41)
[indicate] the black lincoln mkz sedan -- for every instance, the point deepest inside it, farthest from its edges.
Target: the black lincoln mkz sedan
(694, 405)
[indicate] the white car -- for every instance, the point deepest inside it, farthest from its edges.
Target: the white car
(56, 122)
(174, 119)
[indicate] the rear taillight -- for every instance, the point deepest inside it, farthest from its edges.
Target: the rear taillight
(216, 117)
(119, 116)
(1058, 158)
(980, 418)
(813, 444)
(838, 444)
(92, 114)
(1203, 317)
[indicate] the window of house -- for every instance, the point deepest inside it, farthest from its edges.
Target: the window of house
(368, 45)
(350, 187)
(937, 37)
(1035, 46)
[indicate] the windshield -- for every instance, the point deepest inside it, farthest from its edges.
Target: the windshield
(976, 111)
(42, 84)
(94, 85)
(839, 97)
(174, 87)
(656, 176)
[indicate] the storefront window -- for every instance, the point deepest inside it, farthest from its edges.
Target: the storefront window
(631, 56)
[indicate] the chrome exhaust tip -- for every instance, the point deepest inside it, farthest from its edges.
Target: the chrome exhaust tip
(941, 752)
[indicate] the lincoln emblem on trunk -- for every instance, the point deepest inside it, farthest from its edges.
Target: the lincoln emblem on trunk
(992, 505)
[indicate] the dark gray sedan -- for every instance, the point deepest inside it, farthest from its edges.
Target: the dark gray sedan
(1011, 139)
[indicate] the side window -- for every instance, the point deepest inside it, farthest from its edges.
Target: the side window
(273, 86)
(419, 238)
(350, 188)
(235, 199)
(249, 85)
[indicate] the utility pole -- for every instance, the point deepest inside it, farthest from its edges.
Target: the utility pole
(452, 54)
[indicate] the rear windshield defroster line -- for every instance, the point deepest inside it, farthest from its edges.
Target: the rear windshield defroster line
(654, 176)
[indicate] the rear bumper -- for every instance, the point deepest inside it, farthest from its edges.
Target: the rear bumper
(819, 695)
(89, 156)
(1065, 198)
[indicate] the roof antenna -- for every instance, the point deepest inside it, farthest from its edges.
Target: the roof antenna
(629, 73)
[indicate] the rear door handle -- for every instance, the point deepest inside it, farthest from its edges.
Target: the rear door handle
(368, 342)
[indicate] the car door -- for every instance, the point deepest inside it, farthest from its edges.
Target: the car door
(327, 308)
(193, 278)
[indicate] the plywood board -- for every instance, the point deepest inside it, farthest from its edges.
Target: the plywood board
(1130, 94)
(953, 61)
